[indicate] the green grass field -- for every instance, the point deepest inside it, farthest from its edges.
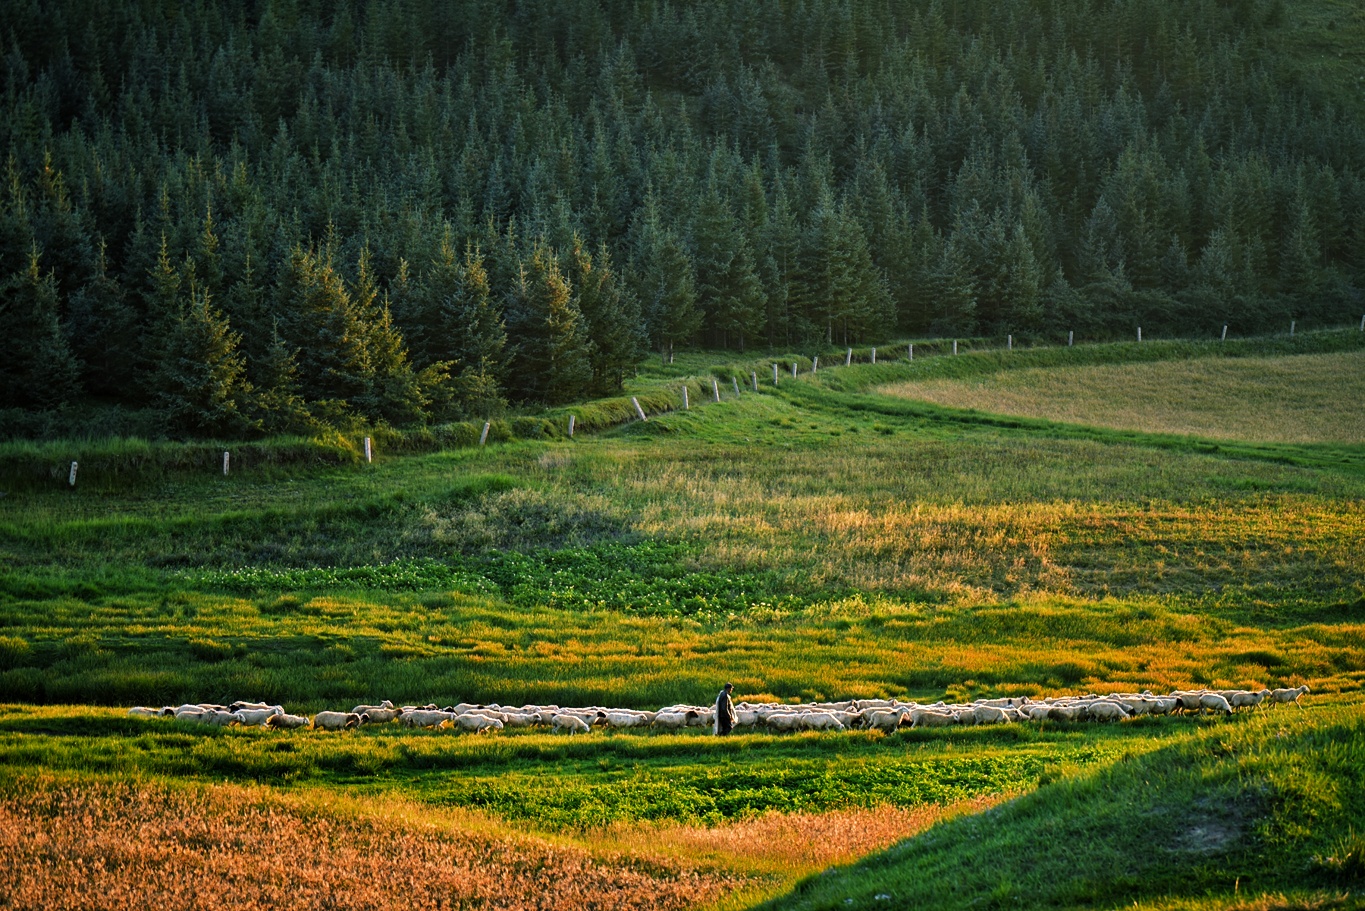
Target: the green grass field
(816, 540)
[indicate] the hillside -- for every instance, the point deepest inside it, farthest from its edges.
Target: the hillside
(294, 215)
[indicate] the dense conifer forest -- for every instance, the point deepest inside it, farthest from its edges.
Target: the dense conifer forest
(286, 215)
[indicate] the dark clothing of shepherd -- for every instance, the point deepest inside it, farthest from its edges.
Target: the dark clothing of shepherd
(725, 713)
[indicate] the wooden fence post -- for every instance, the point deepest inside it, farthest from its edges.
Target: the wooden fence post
(1140, 334)
(71, 479)
(874, 355)
(1009, 342)
(954, 346)
(369, 451)
(1225, 333)
(912, 351)
(793, 369)
(225, 464)
(1071, 338)
(483, 437)
(1291, 328)
(735, 380)
(715, 387)
(571, 423)
(638, 410)
(815, 364)
(848, 358)
(753, 375)
(686, 407)
(774, 374)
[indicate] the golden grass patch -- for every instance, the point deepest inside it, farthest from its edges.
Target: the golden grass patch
(1310, 398)
(85, 843)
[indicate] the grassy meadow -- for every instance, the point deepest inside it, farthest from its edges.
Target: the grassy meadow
(833, 536)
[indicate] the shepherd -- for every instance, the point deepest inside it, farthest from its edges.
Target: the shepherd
(725, 711)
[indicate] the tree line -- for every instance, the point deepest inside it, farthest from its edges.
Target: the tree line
(286, 215)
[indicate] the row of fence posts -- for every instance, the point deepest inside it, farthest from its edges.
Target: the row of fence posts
(715, 389)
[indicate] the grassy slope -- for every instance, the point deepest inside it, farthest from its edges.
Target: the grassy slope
(1267, 806)
(1305, 399)
(814, 542)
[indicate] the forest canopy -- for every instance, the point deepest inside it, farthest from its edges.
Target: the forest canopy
(280, 216)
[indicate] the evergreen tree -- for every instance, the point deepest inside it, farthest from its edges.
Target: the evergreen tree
(611, 317)
(40, 370)
(201, 378)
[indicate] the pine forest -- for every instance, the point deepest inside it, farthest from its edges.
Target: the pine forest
(282, 216)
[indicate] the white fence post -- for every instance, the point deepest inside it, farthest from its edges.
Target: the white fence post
(715, 387)
(225, 464)
(793, 369)
(369, 451)
(874, 355)
(1362, 324)
(1291, 328)
(483, 437)
(571, 423)
(71, 479)
(686, 406)
(1225, 333)
(1140, 333)
(848, 358)
(735, 380)
(912, 351)
(954, 346)
(1009, 342)
(1071, 338)
(774, 374)
(815, 364)
(753, 375)
(638, 410)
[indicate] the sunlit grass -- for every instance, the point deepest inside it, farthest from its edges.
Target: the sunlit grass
(1310, 398)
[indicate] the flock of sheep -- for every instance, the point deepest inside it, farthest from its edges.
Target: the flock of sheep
(882, 714)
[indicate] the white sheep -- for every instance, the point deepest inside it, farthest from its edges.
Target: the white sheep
(478, 722)
(141, 711)
(336, 721)
(220, 719)
(1214, 703)
(1291, 694)
(923, 718)
(1104, 710)
(425, 718)
(821, 721)
(285, 721)
(256, 717)
(385, 712)
(569, 724)
(1248, 700)
(673, 721)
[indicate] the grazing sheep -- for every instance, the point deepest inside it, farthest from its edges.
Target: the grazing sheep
(254, 706)
(256, 717)
(336, 721)
(285, 721)
(1103, 710)
(520, 719)
(383, 713)
(477, 722)
(990, 714)
(821, 721)
(220, 719)
(625, 719)
(141, 711)
(923, 718)
(672, 721)
(1247, 700)
(887, 721)
(1291, 694)
(425, 718)
(1214, 703)
(569, 724)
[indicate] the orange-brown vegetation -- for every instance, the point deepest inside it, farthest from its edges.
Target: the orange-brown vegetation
(807, 842)
(72, 845)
